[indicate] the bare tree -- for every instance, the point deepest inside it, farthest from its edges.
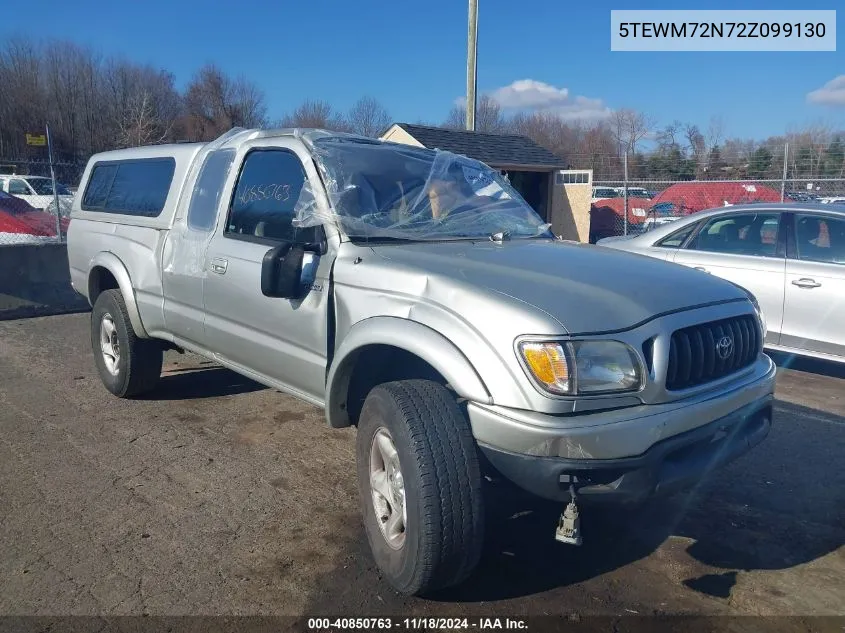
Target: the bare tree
(315, 113)
(368, 117)
(807, 148)
(715, 131)
(698, 148)
(215, 103)
(488, 116)
(23, 100)
(142, 102)
(629, 127)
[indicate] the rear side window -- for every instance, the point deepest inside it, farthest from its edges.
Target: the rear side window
(133, 187)
(677, 238)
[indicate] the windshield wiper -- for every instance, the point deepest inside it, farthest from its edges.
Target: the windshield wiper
(501, 236)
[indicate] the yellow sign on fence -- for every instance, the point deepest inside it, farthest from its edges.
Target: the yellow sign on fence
(36, 139)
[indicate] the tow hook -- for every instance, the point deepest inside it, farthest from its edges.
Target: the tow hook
(569, 525)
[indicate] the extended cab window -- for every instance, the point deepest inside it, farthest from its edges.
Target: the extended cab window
(131, 187)
(753, 234)
(207, 190)
(262, 207)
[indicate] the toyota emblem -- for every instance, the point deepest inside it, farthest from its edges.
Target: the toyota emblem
(725, 347)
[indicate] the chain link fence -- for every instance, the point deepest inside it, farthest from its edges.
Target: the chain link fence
(31, 210)
(634, 193)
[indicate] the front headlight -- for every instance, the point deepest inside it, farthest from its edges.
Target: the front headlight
(582, 367)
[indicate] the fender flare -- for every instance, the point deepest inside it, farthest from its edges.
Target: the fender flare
(112, 263)
(411, 336)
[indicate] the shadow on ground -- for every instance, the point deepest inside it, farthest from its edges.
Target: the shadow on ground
(191, 383)
(766, 511)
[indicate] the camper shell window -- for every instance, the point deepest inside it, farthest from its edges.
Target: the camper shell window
(129, 187)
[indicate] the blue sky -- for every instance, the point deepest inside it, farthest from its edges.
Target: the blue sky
(411, 56)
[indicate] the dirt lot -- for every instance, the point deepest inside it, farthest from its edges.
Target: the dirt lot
(218, 496)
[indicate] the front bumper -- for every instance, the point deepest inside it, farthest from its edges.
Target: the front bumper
(667, 467)
(628, 455)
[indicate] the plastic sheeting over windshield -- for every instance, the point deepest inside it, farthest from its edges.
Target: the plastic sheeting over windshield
(385, 190)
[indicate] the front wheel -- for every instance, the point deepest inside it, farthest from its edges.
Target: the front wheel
(419, 486)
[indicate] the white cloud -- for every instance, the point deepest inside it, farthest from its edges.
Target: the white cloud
(530, 94)
(832, 93)
(538, 96)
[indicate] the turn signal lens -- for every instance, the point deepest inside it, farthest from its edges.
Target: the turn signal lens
(547, 363)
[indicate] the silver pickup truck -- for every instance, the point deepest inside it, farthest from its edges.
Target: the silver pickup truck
(414, 294)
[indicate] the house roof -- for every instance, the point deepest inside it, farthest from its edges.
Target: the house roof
(493, 149)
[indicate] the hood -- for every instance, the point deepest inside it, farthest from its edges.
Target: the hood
(586, 289)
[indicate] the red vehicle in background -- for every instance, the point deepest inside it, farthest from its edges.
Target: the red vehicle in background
(19, 221)
(607, 217)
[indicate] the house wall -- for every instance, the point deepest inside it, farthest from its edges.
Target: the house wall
(397, 135)
(570, 216)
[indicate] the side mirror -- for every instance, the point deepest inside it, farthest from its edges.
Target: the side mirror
(281, 271)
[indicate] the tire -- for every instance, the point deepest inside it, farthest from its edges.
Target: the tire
(137, 367)
(444, 525)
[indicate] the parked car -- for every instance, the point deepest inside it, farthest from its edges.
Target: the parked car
(791, 257)
(414, 294)
(802, 196)
(607, 217)
(21, 219)
(834, 200)
(633, 192)
(37, 191)
(604, 193)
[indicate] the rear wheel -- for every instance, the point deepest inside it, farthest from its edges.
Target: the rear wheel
(128, 365)
(419, 486)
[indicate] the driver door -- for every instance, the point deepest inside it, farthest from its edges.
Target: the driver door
(279, 341)
(748, 249)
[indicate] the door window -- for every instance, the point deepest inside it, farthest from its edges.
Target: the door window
(263, 204)
(18, 187)
(820, 239)
(753, 234)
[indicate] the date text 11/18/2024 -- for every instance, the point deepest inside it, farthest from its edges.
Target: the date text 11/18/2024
(416, 624)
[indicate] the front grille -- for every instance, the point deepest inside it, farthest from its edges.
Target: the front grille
(699, 354)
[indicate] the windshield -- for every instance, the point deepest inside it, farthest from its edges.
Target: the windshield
(44, 187)
(385, 190)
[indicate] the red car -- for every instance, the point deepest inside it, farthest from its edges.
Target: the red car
(19, 217)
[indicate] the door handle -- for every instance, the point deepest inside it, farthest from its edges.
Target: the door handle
(702, 269)
(219, 265)
(806, 282)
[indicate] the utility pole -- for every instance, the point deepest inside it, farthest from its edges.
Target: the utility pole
(472, 66)
(785, 165)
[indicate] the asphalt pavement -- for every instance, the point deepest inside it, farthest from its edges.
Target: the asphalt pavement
(215, 495)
